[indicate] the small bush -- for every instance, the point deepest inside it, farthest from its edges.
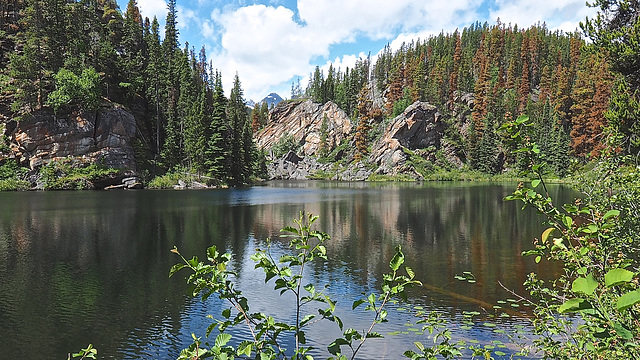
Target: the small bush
(166, 181)
(13, 185)
(12, 177)
(73, 174)
(284, 145)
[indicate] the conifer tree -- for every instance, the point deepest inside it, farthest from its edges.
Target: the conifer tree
(364, 125)
(133, 43)
(217, 149)
(396, 85)
(256, 117)
(264, 113)
(155, 82)
(590, 100)
(616, 29)
(32, 77)
(453, 77)
(237, 117)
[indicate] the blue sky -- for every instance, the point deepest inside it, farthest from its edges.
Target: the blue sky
(271, 43)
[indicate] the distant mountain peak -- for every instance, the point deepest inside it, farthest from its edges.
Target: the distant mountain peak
(249, 103)
(272, 99)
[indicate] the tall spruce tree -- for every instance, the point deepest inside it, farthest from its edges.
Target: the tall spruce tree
(217, 152)
(237, 117)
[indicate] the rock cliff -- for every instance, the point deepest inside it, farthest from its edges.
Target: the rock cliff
(418, 127)
(419, 130)
(104, 137)
(303, 120)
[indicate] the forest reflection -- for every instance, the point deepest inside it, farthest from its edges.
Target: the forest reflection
(80, 267)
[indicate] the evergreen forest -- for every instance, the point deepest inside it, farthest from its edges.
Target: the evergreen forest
(67, 57)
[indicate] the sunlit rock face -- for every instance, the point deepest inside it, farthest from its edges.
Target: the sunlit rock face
(303, 120)
(419, 130)
(104, 136)
(418, 127)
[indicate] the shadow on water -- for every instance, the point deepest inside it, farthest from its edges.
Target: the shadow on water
(91, 267)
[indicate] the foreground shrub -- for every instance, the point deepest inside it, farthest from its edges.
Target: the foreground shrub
(215, 278)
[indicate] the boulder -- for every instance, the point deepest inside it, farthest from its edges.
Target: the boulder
(418, 127)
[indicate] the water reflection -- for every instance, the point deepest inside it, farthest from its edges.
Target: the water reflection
(81, 267)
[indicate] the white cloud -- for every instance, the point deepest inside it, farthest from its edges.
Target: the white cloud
(557, 14)
(151, 8)
(347, 61)
(341, 20)
(265, 46)
(207, 29)
(270, 45)
(185, 17)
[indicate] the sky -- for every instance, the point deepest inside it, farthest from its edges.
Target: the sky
(272, 43)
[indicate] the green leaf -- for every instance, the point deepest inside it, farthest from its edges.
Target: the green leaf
(546, 233)
(244, 348)
(222, 339)
(617, 276)
(397, 260)
(226, 313)
(357, 303)
(410, 272)
(371, 299)
(567, 220)
(175, 268)
(334, 347)
(212, 252)
(623, 331)
(576, 304)
(535, 183)
(628, 300)
(585, 285)
(611, 213)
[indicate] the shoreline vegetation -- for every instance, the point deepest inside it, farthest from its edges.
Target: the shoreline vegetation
(69, 175)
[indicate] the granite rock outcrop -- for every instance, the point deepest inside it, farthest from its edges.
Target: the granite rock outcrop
(303, 120)
(104, 136)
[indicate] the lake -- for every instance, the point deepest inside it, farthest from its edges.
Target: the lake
(92, 267)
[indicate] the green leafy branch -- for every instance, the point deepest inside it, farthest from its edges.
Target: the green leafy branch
(598, 281)
(394, 285)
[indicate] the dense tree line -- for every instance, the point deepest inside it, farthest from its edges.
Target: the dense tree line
(548, 75)
(66, 56)
(337, 86)
(545, 74)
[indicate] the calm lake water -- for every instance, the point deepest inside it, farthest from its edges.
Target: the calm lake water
(92, 267)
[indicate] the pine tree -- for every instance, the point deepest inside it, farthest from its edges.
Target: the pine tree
(616, 30)
(523, 89)
(396, 86)
(216, 153)
(364, 126)
(590, 96)
(133, 43)
(155, 82)
(237, 117)
(249, 151)
(256, 118)
(29, 69)
(453, 77)
(484, 156)
(264, 113)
